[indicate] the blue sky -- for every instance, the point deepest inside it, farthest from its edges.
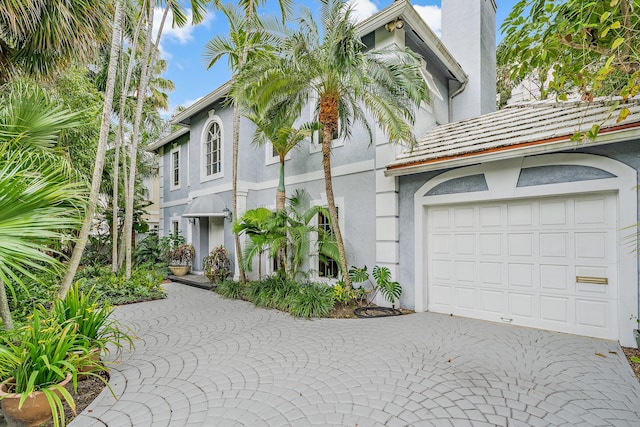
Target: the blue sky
(183, 48)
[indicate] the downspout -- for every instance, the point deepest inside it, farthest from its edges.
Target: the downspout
(454, 94)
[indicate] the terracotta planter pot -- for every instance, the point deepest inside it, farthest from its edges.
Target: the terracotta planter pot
(179, 270)
(34, 411)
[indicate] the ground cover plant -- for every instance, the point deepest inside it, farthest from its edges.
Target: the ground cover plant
(300, 299)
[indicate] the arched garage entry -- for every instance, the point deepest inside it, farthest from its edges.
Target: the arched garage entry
(536, 241)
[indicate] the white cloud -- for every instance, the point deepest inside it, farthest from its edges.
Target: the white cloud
(432, 16)
(362, 9)
(182, 35)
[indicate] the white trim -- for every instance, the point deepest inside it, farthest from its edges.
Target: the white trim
(499, 173)
(172, 185)
(167, 139)
(203, 144)
(197, 106)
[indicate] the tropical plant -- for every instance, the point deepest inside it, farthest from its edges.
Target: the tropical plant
(93, 319)
(231, 289)
(332, 65)
(390, 289)
(289, 228)
(217, 265)
(42, 354)
(575, 46)
(246, 41)
(40, 203)
(40, 37)
(312, 300)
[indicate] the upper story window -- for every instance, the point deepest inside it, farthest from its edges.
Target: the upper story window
(175, 168)
(212, 146)
(213, 149)
(272, 156)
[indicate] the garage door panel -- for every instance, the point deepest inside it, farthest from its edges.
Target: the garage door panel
(492, 301)
(490, 216)
(518, 262)
(465, 244)
(520, 214)
(554, 278)
(521, 244)
(592, 313)
(553, 213)
(521, 275)
(490, 244)
(553, 245)
(522, 305)
(491, 273)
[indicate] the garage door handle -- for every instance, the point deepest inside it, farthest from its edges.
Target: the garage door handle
(592, 280)
(506, 319)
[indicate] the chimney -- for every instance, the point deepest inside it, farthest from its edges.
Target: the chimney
(469, 32)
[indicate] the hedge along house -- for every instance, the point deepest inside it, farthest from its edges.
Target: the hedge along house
(504, 218)
(195, 165)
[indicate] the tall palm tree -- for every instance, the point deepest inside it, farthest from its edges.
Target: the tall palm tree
(247, 41)
(330, 65)
(101, 151)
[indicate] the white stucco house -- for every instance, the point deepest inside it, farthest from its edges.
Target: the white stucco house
(496, 215)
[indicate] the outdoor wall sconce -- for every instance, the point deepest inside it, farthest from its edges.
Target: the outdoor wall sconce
(227, 213)
(397, 24)
(192, 221)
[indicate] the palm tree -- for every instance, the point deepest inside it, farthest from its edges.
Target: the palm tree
(330, 65)
(101, 151)
(40, 200)
(246, 42)
(39, 37)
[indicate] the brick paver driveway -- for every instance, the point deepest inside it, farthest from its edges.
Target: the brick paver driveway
(204, 361)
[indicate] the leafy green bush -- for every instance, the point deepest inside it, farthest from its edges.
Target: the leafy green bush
(231, 289)
(312, 300)
(149, 251)
(143, 285)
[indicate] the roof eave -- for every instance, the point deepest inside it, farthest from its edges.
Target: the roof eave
(606, 136)
(197, 106)
(410, 15)
(167, 139)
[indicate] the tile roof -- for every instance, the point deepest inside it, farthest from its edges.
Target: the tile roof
(515, 127)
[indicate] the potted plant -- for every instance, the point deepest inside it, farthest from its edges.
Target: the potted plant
(217, 265)
(180, 259)
(42, 357)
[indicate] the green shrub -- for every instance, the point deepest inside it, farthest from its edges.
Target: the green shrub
(144, 284)
(231, 289)
(312, 300)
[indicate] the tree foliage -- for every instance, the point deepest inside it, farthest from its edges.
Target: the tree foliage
(574, 46)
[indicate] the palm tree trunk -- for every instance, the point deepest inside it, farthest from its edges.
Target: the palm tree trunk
(280, 199)
(333, 212)
(98, 167)
(5, 311)
(234, 189)
(116, 250)
(114, 202)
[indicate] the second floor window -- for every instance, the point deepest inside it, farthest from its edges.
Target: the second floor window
(175, 169)
(213, 150)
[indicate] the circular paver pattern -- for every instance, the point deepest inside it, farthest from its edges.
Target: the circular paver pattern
(201, 360)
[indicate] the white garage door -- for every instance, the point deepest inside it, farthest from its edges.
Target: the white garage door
(546, 263)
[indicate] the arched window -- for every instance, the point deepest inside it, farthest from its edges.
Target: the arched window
(213, 150)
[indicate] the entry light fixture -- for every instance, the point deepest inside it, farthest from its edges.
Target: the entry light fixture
(192, 221)
(396, 24)
(227, 213)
